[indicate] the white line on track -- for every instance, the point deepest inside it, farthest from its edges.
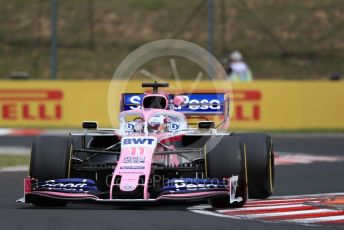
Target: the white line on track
(19, 168)
(261, 208)
(279, 203)
(278, 214)
(5, 132)
(317, 219)
(209, 213)
(12, 150)
(278, 210)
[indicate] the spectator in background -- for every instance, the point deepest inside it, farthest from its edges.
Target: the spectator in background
(237, 70)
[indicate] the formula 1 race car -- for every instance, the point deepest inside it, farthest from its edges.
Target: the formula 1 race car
(158, 153)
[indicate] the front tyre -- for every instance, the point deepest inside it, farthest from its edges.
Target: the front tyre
(225, 157)
(260, 162)
(50, 159)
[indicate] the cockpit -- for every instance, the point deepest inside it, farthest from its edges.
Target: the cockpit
(151, 122)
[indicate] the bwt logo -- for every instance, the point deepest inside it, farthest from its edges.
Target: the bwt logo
(30, 104)
(138, 141)
(246, 105)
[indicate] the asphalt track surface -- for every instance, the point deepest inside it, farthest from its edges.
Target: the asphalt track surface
(296, 179)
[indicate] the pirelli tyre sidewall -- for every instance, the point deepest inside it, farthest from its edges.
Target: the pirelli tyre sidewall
(260, 163)
(225, 159)
(50, 159)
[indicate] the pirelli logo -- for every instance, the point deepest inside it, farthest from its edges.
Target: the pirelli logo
(247, 105)
(30, 104)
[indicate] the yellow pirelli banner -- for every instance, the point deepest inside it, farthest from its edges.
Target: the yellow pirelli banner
(269, 105)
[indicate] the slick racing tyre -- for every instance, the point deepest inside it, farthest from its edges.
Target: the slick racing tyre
(50, 159)
(226, 158)
(260, 163)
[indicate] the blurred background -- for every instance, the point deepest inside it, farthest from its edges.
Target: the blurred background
(279, 55)
(289, 39)
(284, 60)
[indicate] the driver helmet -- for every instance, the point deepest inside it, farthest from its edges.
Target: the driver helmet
(157, 123)
(138, 125)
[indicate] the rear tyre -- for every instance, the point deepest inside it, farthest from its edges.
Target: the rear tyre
(260, 163)
(50, 159)
(226, 158)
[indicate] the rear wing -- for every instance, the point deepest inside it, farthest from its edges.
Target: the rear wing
(196, 104)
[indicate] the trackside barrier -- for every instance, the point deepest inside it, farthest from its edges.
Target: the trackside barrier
(274, 105)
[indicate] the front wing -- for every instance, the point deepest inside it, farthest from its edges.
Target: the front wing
(84, 190)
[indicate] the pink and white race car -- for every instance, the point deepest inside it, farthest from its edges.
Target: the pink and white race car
(158, 153)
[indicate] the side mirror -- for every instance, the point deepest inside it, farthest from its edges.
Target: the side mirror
(206, 125)
(89, 125)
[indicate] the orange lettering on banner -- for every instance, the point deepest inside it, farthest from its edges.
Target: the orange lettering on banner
(58, 112)
(246, 105)
(9, 111)
(31, 105)
(26, 112)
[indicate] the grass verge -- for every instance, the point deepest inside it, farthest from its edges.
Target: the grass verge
(13, 160)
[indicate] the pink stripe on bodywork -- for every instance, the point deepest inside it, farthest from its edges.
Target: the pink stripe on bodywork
(129, 170)
(63, 194)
